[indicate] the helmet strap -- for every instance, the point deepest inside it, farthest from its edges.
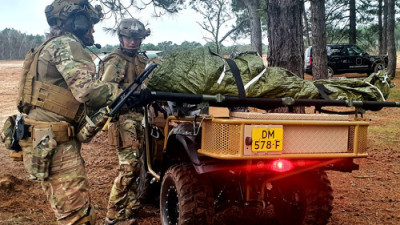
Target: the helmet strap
(128, 52)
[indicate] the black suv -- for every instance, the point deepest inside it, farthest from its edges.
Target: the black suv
(347, 58)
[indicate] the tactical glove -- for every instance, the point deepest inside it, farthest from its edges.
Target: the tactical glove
(143, 99)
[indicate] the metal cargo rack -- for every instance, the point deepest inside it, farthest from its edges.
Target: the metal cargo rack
(304, 136)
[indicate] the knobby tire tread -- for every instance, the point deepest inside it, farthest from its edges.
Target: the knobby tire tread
(318, 198)
(194, 194)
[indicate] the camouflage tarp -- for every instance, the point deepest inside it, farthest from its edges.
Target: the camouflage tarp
(199, 72)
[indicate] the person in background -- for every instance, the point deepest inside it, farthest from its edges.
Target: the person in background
(126, 135)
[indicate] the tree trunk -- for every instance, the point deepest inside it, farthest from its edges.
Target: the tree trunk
(390, 39)
(217, 29)
(255, 25)
(285, 36)
(319, 54)
(306, 25)
(352, 30)
(380, 28)
(385, 20)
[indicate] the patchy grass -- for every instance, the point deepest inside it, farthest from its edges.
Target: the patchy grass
(395, 92)
(394, 95)
(384, 129)
(387, 132)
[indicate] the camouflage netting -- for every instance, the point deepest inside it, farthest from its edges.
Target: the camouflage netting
(199, 72)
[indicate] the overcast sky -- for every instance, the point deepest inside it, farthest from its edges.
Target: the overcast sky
(28, 17)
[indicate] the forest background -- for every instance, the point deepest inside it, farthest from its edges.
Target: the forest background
(362, 22)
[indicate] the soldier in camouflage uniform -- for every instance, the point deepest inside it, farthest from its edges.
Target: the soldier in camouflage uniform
(126, 135)
(63, 83)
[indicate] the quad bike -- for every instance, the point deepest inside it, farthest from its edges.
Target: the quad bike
(201, 165)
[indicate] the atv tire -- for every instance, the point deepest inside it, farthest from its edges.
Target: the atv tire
(379, 66)
(330, 72)
(186, 197)
(303, 199)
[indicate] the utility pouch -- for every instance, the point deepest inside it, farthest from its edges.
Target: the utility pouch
(43, 148)
(8, 131)
(128, 134)
(14, 129)
(113, 135)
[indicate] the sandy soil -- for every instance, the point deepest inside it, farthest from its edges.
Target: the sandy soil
(370, 195)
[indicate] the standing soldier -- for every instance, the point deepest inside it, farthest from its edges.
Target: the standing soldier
(56, 89)
(126, 135)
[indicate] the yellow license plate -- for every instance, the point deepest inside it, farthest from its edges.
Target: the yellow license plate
(267, 139)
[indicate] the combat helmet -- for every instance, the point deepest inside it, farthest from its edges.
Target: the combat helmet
(132, 28)
(61, 10)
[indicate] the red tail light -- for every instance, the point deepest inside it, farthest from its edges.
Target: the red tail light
(310, 62)
(281, 165)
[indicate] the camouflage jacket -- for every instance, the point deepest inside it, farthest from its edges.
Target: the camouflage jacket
(120, 68)
(65, 63)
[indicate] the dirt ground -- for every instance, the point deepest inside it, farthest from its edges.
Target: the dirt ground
(370, 195)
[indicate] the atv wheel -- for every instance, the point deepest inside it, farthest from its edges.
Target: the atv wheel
(185, 198)
(330, 72)
(148, 192)
(378, 67)
(303, 199)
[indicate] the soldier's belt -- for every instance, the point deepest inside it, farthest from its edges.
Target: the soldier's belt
(63, 131)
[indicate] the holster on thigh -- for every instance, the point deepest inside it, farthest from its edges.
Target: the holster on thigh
(43, 149)
(44, 137)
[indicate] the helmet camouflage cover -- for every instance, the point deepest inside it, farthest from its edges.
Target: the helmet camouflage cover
(60, 10)
(132, 28)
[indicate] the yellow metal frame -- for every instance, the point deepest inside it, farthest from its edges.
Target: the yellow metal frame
(243, 122)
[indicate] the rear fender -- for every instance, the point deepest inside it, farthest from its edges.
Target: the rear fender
(180, 149)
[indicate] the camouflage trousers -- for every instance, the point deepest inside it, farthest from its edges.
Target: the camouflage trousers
(123, 202)
(67, 187)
